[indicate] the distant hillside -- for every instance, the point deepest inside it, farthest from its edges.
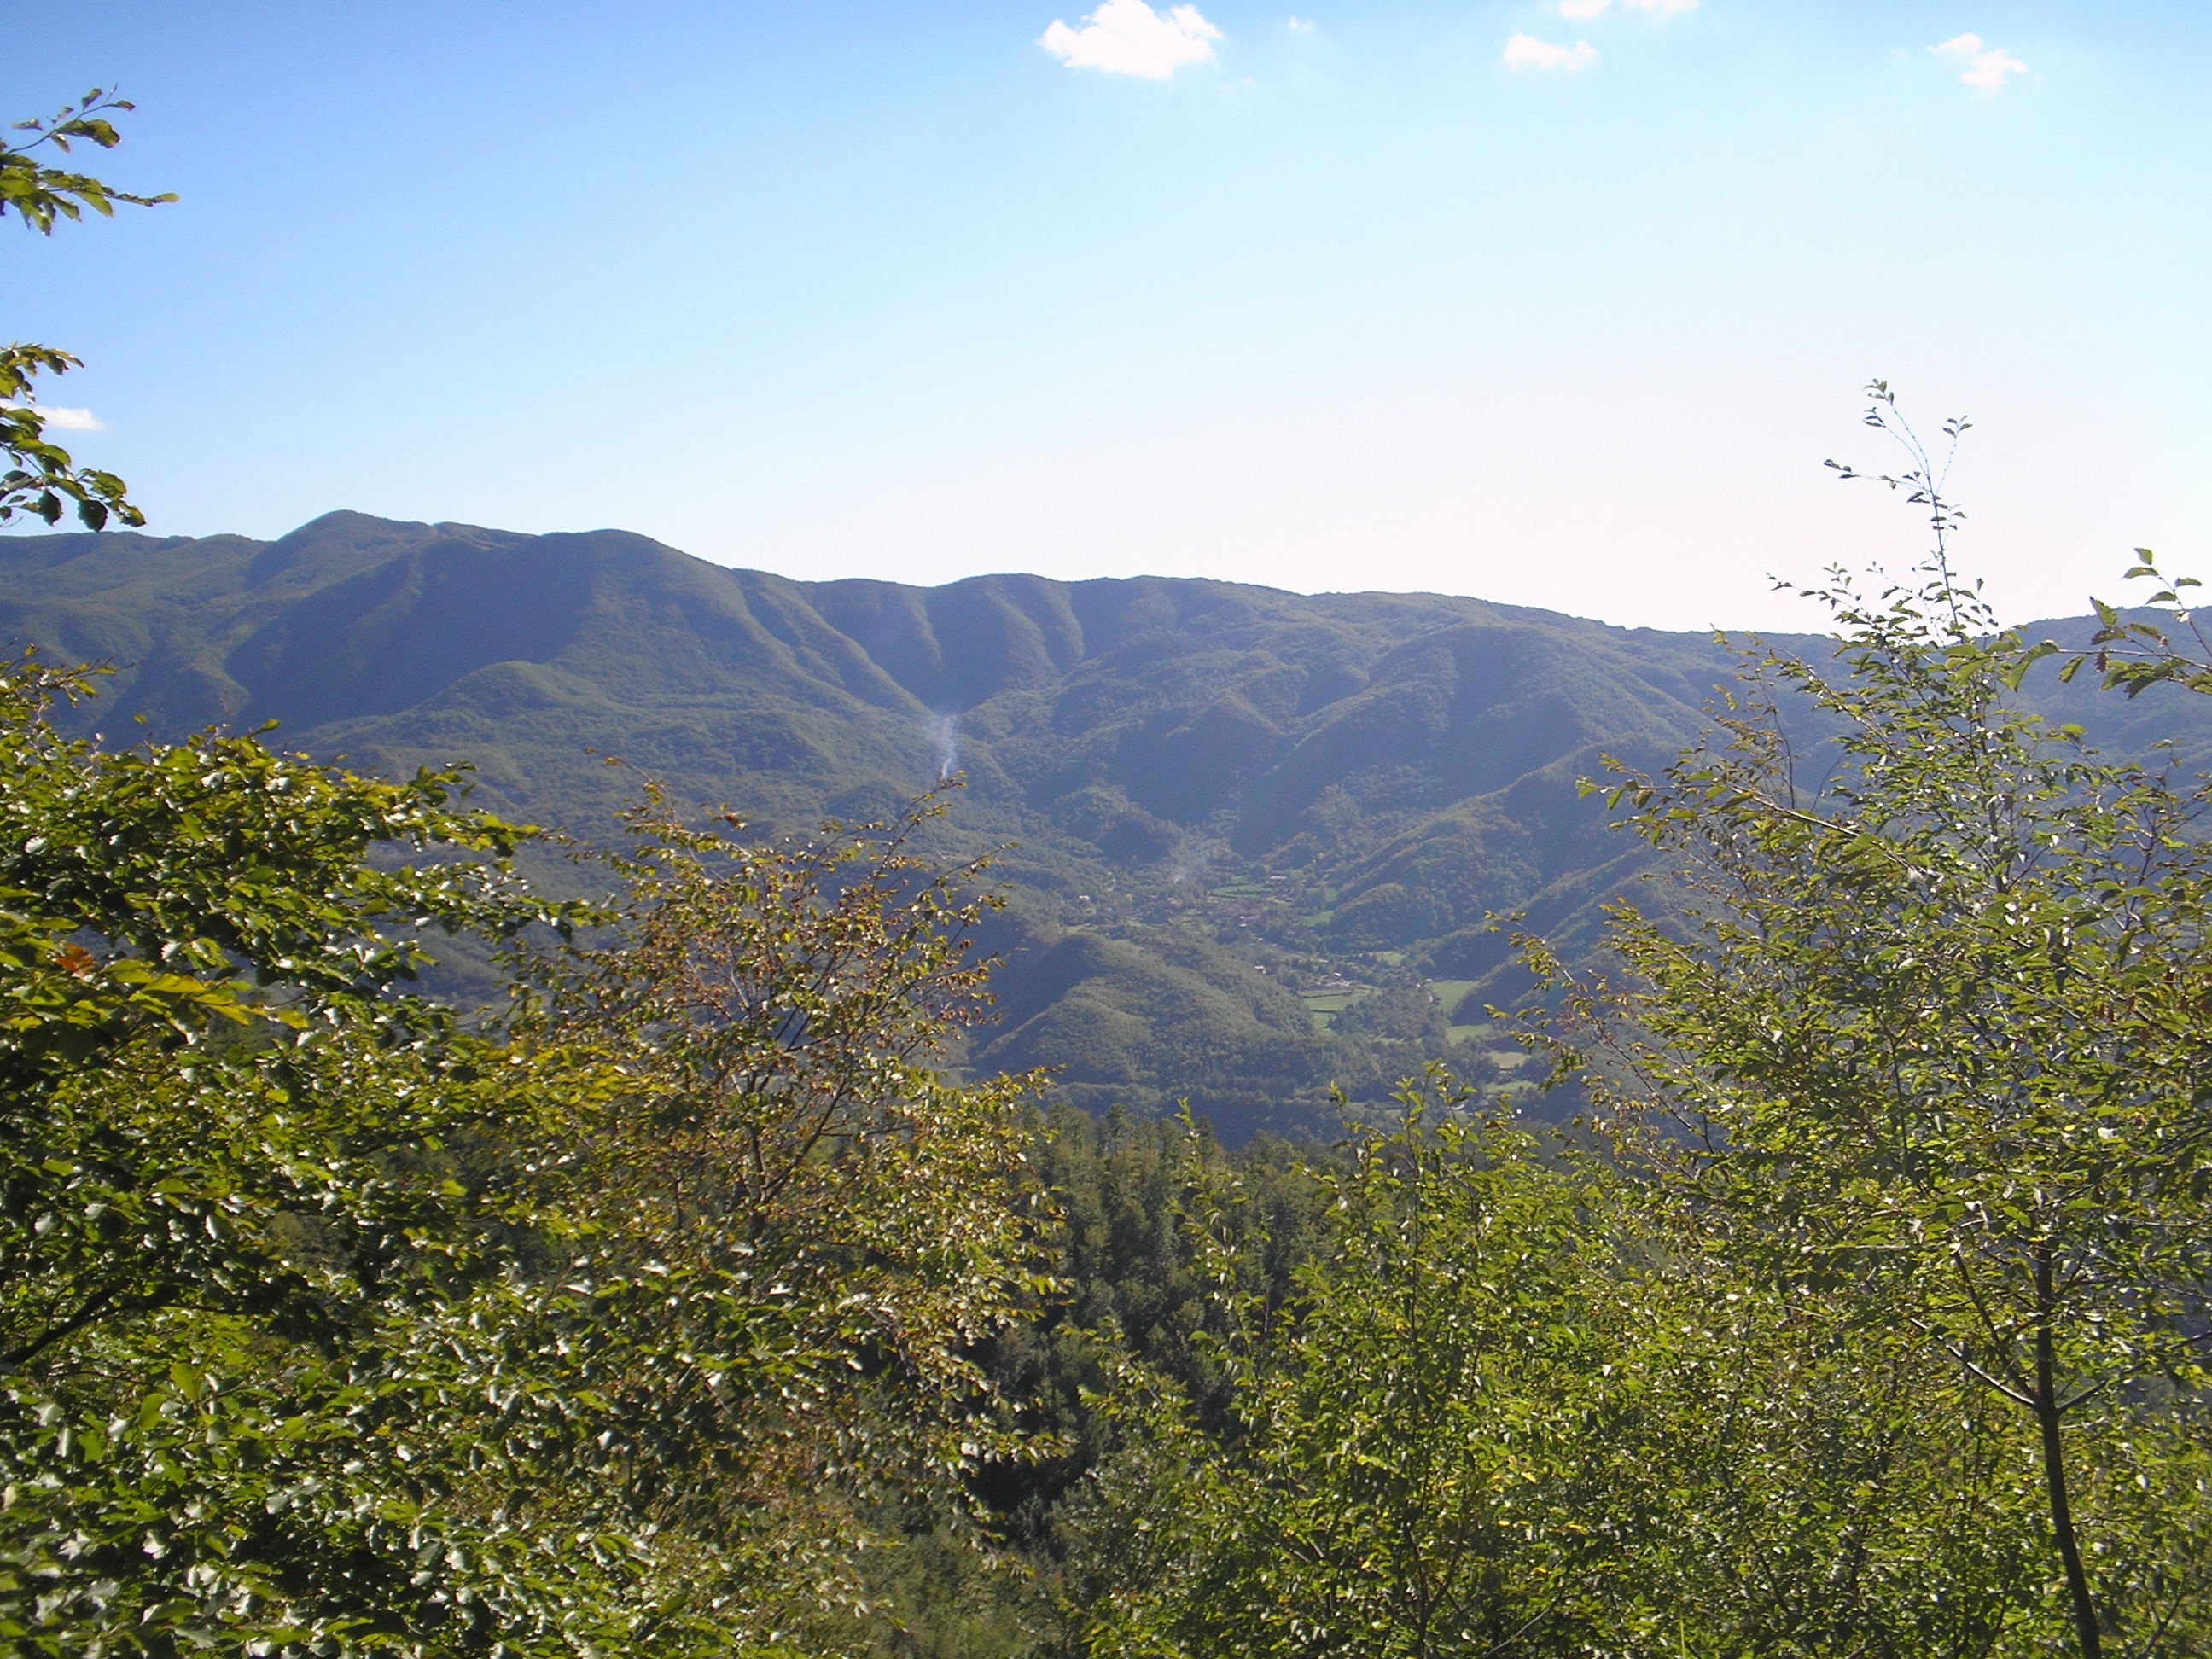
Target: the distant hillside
(1257, 834)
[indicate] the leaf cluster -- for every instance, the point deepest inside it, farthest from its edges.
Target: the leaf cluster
(41, 475)
(40, 194)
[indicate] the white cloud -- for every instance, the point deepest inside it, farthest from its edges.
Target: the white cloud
(69, 420)
(1302, 25)
(1580, 8)
(1991, 69)
(1527, 52)
(1127, 37)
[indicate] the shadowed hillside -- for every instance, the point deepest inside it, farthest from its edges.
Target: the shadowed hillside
(1255, 834)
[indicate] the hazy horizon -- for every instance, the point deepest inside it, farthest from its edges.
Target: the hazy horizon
(1555, 305)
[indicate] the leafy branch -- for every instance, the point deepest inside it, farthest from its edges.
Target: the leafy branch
(40, 194)
(2133, 656)
(41, 475)
(1924, 482)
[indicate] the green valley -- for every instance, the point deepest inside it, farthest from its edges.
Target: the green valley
(1253, 838)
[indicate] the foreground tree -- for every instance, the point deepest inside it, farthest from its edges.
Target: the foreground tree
(820, 1228)
(327, 1326)
(1929, 1033)
(1421, 1456)
(231, 1197)
(1517, 1405)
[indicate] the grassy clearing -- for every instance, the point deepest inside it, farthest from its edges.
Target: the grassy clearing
(1449, 994)
(1325, 1005)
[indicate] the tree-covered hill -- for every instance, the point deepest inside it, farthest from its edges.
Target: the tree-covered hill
(1255, 834)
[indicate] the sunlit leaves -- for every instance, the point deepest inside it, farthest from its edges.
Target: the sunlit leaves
(40, 194)
(327, 1325)
(40, 477)
(780, 1140)
(1924, 1031)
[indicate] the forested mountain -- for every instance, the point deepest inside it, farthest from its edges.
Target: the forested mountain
(1254, 835)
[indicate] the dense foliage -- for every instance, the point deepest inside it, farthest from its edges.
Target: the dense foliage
(1926, 1032)
(1936, 1033)
(331, 1326)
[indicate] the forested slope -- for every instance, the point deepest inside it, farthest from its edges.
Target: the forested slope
(1254, 835)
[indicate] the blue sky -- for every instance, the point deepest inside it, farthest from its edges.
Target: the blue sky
(1360, 296)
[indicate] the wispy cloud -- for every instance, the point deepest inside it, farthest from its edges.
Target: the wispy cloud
(1989, 69)
(1127, 37)
(69, 420)
(1527, 52)
(1580, 8)
(1302, 25)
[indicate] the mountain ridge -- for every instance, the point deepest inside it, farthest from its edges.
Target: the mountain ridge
(1256, 836)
